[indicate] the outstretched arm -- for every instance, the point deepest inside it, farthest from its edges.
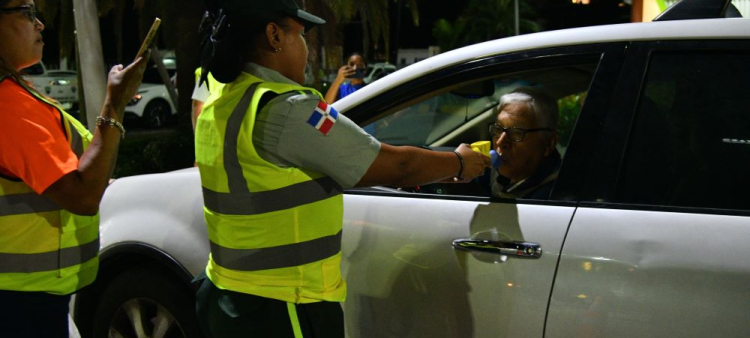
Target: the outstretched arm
(409, 166)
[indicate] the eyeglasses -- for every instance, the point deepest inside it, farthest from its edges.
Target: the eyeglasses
(515, 134)
(29, 11)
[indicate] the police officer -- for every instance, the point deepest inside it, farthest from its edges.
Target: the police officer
(53, 173)
(273, 160)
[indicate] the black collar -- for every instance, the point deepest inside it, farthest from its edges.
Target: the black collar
(549, 165)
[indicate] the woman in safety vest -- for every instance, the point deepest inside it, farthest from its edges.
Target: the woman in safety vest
(53, 173)
(274, 159)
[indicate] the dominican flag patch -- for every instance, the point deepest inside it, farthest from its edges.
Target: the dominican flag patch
(323, 117)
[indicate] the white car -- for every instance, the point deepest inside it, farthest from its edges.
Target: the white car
(151, 103)
(644, 234)
(379, 70)
(60, 85)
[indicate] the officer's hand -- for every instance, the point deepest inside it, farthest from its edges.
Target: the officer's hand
(474, 162)
(123, 83)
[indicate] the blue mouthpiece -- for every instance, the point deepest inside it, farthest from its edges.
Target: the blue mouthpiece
(495, 159)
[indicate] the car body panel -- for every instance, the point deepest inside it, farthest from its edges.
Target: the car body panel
(169, 216)
(637, 273)
(397, 256)
(406, 280)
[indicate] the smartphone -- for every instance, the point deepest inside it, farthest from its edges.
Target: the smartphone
(149, 37)
(359, 73)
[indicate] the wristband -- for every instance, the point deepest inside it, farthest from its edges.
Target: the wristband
(460, 161)
(106, 121)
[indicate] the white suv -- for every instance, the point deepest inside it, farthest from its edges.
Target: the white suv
(644, 234)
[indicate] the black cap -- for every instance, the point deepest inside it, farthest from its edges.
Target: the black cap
(289, 7)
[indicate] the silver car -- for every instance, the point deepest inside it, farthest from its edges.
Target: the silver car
(644, 234)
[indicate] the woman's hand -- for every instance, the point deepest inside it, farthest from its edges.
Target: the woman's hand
(474, 162)
(123, 84)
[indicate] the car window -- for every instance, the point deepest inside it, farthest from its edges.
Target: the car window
(690, 142)
(463, 112)
(431, 120)
(424, 122)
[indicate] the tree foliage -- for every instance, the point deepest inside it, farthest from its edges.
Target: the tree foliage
(484, 20)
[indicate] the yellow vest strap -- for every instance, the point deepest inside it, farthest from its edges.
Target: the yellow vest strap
(253, 203)
(28, 203)
(47, 261)
(236, 180)
(283, 256)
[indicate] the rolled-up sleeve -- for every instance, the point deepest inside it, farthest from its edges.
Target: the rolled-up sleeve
(289, 130)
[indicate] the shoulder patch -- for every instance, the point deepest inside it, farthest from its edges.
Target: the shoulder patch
(323, 117)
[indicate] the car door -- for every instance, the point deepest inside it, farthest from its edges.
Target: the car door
(658, 246)
(405, 277)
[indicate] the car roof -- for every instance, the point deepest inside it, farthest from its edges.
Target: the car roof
(724, 28)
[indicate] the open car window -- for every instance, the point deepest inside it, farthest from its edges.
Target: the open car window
(446, 117)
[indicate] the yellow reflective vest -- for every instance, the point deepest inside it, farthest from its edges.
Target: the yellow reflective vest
(274, 232)
(43, 247)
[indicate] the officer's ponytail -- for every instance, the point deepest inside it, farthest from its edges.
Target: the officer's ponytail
(230, 41)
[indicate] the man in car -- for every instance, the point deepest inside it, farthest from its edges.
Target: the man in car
(524, 135)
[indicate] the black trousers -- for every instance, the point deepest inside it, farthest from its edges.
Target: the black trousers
(33, 314)
(228, 314)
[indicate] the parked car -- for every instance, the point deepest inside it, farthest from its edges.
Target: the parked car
(151, 103)
(379, 70)
(60, 85)
(644, 234)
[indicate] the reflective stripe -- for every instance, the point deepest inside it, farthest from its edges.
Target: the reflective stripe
(277, 257)
(47, 261)
(28, 203)
(236, 180)
(292, 309)
(253, 203)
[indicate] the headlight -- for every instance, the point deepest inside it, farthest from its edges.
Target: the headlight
(59, 82)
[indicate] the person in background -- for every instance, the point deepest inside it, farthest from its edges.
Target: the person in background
(53, 174)
(349, 78)
(525, 137)
(273, 170)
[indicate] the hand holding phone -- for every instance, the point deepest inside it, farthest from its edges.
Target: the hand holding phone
(149, 38)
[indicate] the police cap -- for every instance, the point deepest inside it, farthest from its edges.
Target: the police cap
(289, 7)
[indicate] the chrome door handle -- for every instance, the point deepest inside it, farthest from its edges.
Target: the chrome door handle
(518, 249)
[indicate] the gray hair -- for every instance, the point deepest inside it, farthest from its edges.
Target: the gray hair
(542, 105)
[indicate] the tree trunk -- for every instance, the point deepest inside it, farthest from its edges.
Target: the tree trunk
(92, 68)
